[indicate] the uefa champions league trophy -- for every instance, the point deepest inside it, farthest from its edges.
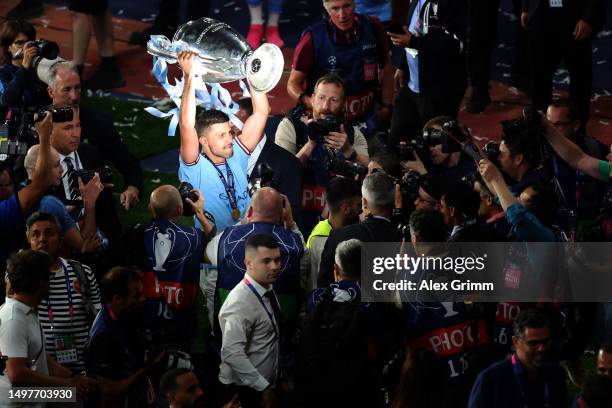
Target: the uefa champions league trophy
(224, 55)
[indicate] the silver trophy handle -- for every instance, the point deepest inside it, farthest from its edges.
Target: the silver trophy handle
(161, 46)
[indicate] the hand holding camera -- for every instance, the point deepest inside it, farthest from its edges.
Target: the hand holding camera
(339, 141)
(197, 205)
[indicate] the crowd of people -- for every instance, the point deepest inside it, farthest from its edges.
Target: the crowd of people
(258, 302)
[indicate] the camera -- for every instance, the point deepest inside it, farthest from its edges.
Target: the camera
(318, 129)
(265, 178)
(58, 115)
(105, 172)
(344, 168)
(13, 148)
(491, 150)
(45, 48)
(178, 359)
(186, 191)
(405, 151)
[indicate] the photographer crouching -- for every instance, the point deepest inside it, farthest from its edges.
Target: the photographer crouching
(323, 144)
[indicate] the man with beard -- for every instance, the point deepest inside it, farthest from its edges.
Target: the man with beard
(212, 159)
(529, 378)
(300, 136)
(115, 351)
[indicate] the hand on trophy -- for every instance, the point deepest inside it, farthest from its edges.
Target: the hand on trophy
(186, 62)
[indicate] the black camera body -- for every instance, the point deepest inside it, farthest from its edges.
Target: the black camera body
(405, 150)
(265, 178)
(105, 172)
(45, 48)
(186, 191)
(58, 115)
(318, 129)
(344, 168)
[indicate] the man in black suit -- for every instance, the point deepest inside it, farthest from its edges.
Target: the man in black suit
(378, 195)
(562, 30)
(459, 206)
(74, 155)
(98, 130)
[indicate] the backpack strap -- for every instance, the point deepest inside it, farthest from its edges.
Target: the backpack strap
(77, 267)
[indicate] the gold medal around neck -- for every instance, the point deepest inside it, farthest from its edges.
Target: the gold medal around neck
(235, 214)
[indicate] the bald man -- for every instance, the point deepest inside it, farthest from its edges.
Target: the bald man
(172, 268)
(74, 238)
(268, 213)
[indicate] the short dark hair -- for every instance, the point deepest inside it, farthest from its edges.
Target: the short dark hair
(331, 79)
(530, 318)
(246, 104)
(437, 121)
(463, 198)
(520, 138)
(11, 28)
(27, 269)
(348, 257)
(573, 112)
(428, 225)
(208, 118)
(389, 162)
(41, 216)
(339, 190)
(261, 240)
(168, 381)
(117, 280)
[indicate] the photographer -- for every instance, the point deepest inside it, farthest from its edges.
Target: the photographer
(76, 157)
(521, 212)
(459, 206)
(442, 137)
(321, 139)
(22, 89)
(115, 351)
(97, 129)
(172, 267)
(13, 209)
(76, 238)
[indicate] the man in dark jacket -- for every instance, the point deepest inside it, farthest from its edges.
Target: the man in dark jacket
(377, 203)
(562, 30)
(433, 75)
(529, 378)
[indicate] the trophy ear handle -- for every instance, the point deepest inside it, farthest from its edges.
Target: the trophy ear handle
(161, 46)
(265, 67)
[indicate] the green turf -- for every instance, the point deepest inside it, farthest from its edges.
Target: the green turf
(144, 134)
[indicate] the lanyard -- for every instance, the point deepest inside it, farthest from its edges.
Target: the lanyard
(69, 291)
(230, 189)
(516, 368)
(270, 315)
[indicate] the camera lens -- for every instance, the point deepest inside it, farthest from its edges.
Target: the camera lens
(48, 49)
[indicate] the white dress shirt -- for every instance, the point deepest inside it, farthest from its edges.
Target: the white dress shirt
(250, 350)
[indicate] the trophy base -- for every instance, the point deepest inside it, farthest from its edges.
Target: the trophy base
(265, 67)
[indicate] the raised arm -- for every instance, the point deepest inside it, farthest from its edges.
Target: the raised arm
(254, 126)
(190, 146)
(573, 155)
(41, 180)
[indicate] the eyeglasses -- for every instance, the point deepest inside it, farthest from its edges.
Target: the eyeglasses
(19, 42)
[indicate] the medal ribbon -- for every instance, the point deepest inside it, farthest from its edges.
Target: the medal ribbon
(69, 291)
(228, 184)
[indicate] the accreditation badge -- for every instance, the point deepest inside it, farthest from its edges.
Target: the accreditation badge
(65, 349)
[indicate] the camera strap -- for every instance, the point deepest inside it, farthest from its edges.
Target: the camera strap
(229, 186)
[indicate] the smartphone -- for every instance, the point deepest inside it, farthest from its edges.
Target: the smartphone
(396, 28)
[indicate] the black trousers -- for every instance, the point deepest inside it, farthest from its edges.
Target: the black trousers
(249, 398)
(411, 111)
(483, 19)
(547, 50)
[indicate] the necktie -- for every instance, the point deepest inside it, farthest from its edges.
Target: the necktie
(275, 306)
(73, 184)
